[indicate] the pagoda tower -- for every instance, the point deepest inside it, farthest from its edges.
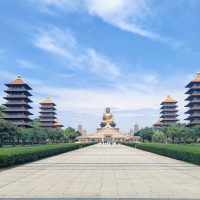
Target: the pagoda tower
(58, 125)
(194, 101)
(47, 114)
(17, 105)
(169, 111)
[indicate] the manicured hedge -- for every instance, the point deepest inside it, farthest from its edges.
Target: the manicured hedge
(188, 153)
(18, 155)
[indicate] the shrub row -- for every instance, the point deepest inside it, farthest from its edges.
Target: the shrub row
(188, 153)
(18, 155)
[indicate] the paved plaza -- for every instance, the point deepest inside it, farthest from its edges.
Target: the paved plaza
(102, 171)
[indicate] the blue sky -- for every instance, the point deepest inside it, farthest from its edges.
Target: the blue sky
(90, 54)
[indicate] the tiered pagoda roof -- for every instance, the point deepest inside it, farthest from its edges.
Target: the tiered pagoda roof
(194, 101)
(17, 105)
(169, 111)
(158, 123)
(47, 113)
(58, 124)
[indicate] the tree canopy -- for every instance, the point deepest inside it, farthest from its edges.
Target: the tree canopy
(10, 134)
(177, 133)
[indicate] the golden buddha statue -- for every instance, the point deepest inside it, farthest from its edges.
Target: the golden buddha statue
(107, 119)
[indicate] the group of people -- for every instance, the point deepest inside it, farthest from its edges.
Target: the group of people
(109, 143)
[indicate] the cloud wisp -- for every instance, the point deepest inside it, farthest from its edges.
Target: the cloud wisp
(127, 15)
(62, 43)
(63, 46)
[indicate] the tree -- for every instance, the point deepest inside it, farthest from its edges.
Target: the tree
(196, 133)
(146, 134)
(35, 123)
(24, 134)
(170, 132)
(12, 131)
(70, 134)
(40, 135)
(3, 131)
(158, 137)
(7, 130)
(32, 135)
(2, 108)
(59, 135)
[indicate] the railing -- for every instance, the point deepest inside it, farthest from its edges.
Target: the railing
(195, 122)
(49, 106)
(169, 119)
(195, 87)
(45, 125)
(16, 89)
(16, 102)
(169, 110)
(20, 109)
(195, 108)
(16, 116)
(17, 96)
(51, 116)
(169, 105)
(195, 93)
(47, 120)
(169, 114)
(20, 123)
(195, 115)
(195, 101)
(47, 111)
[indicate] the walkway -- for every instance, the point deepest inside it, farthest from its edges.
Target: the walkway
(103, 171)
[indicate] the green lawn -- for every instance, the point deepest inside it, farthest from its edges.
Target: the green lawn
(185, 152)
(18, 155)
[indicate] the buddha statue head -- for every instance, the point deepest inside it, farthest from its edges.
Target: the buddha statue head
(107, 110)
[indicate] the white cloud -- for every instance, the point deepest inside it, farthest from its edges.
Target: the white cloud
(127, 15)
(64, 45)
(124, 14)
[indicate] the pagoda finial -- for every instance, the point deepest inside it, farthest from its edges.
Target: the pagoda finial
(19, 77)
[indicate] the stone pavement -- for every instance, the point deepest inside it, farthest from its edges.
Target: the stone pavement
(103, 171)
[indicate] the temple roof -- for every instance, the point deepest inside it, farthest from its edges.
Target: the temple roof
(48, 101)
(57, 123)
(169, 100)
(196, 80)
(18, 81)
(110, 131)
(158, 123)
(102, 132)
